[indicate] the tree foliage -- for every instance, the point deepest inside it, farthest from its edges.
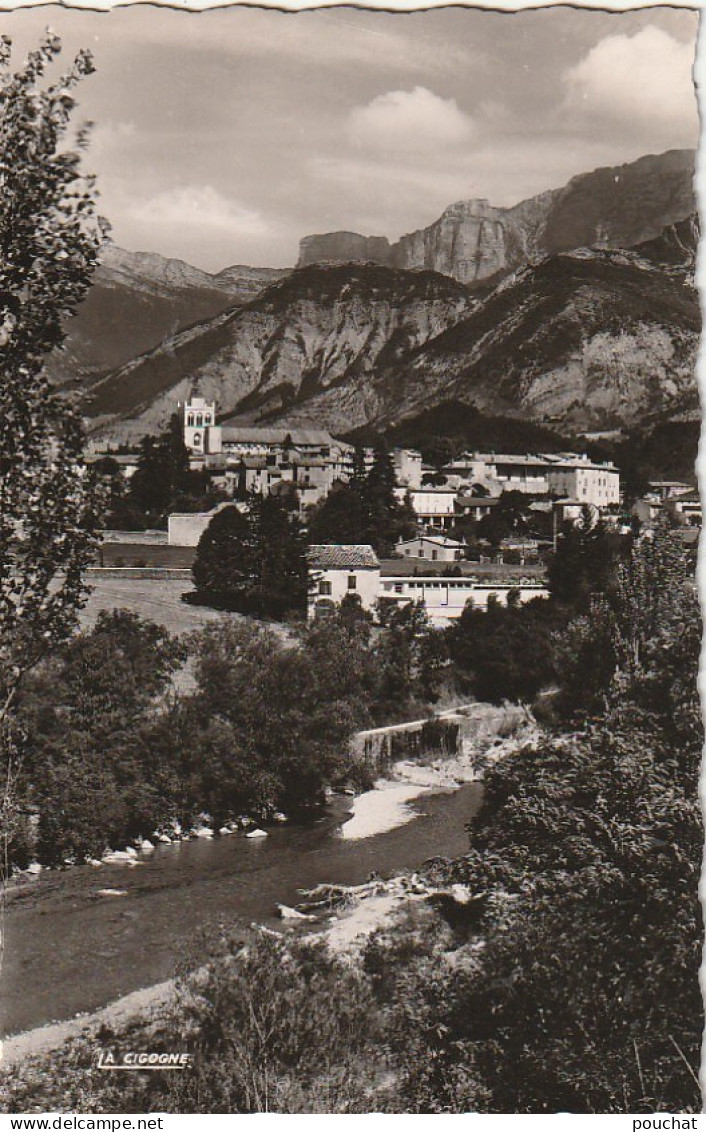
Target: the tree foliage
(585, 561)
(49, 239)
(253, 560)
(365, 510)
(584, 996)
(163, 482)
(505, 652)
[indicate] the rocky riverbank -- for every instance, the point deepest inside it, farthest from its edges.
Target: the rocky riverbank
(345, 923)
(387, 804)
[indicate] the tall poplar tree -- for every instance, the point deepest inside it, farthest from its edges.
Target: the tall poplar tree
(49, 240)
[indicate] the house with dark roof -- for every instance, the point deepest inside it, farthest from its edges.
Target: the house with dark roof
(339, 569)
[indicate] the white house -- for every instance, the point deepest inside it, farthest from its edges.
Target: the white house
(475, 506)
(433, 548)
(408, 467)
(667, 489)
(433, 506)
(649, 509)
(500, 472)
(579, 478)
(527, 474)
(686, 509)
(341, 569)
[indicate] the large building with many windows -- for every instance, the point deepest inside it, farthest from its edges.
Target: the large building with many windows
(579, 478)
(564, 474)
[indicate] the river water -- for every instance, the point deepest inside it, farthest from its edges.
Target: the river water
(69, 950)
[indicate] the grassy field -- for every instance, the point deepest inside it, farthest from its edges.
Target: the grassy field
(157, 599)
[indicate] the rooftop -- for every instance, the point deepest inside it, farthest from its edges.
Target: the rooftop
(437, 540)
(687, 497)
(464, 500)
(569, 460)
(544, 460)
(239, 434)
(430, 490)
(670, 483)
(339, 556)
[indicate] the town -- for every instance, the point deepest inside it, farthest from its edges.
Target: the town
(461, 550)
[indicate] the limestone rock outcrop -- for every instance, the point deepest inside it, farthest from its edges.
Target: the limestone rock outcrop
(617, 206)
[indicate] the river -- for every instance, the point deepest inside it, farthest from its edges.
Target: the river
(69, 950)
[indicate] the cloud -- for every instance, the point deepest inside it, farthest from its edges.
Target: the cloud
(198, 207)
(412, 121)
(644, 79)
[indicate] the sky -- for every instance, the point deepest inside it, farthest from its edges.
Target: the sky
(223, 137)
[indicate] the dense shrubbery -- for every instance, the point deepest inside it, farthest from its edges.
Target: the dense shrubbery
(506, 652)
(269, 722)
(585, 995)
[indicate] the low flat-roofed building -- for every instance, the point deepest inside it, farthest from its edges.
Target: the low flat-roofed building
(445, 598)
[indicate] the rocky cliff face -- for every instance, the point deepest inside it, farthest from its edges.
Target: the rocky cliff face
(471, 241)
(317, 330)
(591, 339)
(467, 242)
(139, 300)
(594, 338)
(344, 247)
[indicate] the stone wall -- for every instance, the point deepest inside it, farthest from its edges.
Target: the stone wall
(450, 734)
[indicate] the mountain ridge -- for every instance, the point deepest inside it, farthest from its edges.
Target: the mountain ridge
(594, 337)
(613, 206)
(139, 300)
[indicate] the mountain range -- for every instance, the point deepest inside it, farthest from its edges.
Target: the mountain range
(138, 300)
(617, 206)
(576, 307)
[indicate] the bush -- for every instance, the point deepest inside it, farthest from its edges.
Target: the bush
(275, 1026)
